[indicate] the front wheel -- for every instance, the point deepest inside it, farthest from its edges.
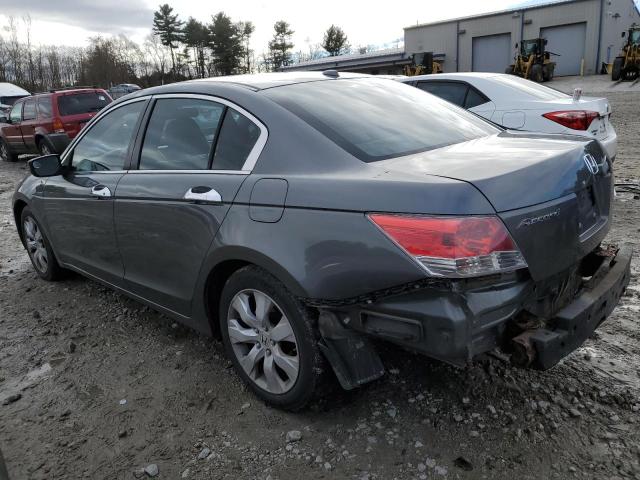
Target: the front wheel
(271, 339)
(536, 73)
(39, 248)
(616, 69)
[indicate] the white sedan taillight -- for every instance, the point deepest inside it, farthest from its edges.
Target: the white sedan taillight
(453, 246)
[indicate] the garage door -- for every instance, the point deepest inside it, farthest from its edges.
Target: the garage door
(568, 41)
(492, 53)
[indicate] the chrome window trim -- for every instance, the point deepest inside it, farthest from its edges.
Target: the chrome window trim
(87, 129)
(253, 156)
(191, 172)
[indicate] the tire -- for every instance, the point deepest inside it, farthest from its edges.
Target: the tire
(38, 247)
(6, 154)
(254, 346)
(616, 69)
(536, 73)
(509, 70)
(547, 72)
(45, 148)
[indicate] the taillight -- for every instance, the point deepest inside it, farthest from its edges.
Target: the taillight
(574, 119)
(454, 246)
(58, 126)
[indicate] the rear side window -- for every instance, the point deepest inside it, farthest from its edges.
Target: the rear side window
(79, 103)
(474, 98)
(44, 107)
(374, 119)
(105, 145)
(180, 134)
(450, 91)
(238, 136)
(29, 112)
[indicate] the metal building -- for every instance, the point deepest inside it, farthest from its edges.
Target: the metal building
(388, 61)
(585, 33)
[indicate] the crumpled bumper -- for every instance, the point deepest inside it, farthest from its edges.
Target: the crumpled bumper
(459, 322)
(542, 348)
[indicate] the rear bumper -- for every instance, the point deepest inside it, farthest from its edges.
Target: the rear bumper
(610, 144)
(457, 323)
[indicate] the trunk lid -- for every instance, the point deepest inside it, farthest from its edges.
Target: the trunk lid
(553, 192)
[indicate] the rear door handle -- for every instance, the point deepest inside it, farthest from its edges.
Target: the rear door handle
(100, 191)
(203, 194)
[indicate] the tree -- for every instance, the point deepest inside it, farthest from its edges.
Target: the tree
(196, 37)
(226, 45)
(245, 30)
(335, 41)
(280, 46)
(167, 26)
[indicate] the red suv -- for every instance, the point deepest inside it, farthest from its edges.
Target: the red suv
(46, 122)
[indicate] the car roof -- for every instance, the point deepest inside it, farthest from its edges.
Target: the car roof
(261, 81)
(10, 90)
(452, 76)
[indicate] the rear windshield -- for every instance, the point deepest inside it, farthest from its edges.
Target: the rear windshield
(529, 88)
(78, 103)
(10, 100)
(374, 119)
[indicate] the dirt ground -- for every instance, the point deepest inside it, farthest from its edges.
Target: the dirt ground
(108, 387)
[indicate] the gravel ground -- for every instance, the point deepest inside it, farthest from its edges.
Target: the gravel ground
(94, 385)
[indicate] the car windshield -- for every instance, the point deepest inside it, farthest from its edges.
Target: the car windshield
(79, 103)
(528, 88)
(375, 119)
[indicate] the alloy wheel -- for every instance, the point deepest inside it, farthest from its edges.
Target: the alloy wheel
(35, 244)
(44, 149)
(263, 341)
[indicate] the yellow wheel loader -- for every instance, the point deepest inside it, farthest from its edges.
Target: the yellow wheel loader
(626, 66)
(422, 64)
(533, 61)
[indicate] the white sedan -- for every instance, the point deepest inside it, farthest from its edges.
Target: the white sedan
(516, 103)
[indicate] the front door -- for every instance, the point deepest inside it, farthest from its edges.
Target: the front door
(12, 132)
(79, 204)
(168, 211)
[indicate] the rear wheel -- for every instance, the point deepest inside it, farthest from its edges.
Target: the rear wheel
(270, 338)
(616, 69)
(39, 248)
(547, 72)
(6, 154)
(536, 73)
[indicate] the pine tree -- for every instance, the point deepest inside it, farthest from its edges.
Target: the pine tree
(196, 37)
(226, 45)
(280, 46)
(335, 41)
(169, 28)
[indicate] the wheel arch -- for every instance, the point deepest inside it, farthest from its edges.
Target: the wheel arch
(228, 260)
(18, 206)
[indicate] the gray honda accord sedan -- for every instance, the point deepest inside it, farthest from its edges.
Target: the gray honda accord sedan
(299, 216)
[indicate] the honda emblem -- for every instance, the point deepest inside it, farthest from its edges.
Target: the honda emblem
(591, 163)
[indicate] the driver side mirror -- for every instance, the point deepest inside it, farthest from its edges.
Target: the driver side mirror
(46, 166)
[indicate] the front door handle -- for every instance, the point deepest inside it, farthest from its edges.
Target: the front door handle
(203, 194)
(100, 191)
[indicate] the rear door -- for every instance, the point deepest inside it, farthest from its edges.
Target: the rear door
(193, 158)
(79, 204)
(28, 124)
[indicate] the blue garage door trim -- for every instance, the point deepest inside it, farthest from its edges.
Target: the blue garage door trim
(491, 53)
(567, 41)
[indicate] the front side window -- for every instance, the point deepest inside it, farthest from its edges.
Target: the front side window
(44, 107)
(238, 136)
(375, 119)
(105, 145)
(450, 91)
(180, 134)
(29, 112)
(16, 113)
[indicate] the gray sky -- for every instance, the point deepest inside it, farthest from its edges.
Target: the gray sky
(68, 22)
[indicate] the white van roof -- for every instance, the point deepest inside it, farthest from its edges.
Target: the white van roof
(11, 90)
